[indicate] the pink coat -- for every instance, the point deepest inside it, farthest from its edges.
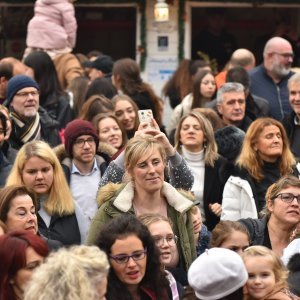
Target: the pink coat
(53, 25)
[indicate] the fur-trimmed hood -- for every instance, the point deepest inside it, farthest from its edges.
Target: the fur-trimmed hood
(123, 195)
(104, 148)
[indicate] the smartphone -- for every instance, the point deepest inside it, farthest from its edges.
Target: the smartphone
(145, 116)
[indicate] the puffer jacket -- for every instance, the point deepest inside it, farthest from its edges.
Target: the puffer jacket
(238, 200)
(115, 199)
(53, 25)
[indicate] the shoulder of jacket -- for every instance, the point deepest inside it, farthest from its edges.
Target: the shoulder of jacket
(108, 192)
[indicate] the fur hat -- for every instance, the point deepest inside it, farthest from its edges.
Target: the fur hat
(229, 140)
(17, 83)
(217, 273)
(75, 129)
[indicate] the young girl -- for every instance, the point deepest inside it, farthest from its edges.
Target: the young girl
(267, 275)
(54, 31)
(231, 235)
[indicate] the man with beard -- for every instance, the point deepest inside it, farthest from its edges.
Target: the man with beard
(83, 168)
(269, 80)
(29, 120)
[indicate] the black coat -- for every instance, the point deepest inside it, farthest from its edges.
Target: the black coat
(214, 181)
(62, 228)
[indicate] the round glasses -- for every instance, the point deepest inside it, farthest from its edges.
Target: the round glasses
(171, 240)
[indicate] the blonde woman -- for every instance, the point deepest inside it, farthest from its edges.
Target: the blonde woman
(194, 140)
(37, 167)
(147, 192)
(79, 272)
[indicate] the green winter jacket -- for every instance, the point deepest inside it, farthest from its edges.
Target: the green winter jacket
(115, 199)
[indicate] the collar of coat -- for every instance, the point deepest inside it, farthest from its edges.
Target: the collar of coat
(181, 200)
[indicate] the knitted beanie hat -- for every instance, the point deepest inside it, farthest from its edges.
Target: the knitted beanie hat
(217, 273)
(75, 129)
(229, 140)
(17, 83)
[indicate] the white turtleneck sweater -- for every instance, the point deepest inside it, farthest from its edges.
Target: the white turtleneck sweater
(195, 161)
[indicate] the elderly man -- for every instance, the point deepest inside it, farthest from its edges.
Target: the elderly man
(291, 123)
(269, 80)
(231, 105)
(29, 120)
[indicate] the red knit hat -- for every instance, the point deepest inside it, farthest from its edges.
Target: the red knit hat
(75, 129)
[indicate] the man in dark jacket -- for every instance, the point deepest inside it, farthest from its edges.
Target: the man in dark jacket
(269, 80)
(291, 123)
(29, 120)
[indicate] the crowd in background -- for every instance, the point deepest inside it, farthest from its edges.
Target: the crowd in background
(98, 203)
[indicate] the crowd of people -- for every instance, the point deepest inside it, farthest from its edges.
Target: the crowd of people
(98, 204)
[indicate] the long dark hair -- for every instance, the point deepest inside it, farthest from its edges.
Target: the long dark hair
(45, 75)
(123, 226)
(198, 100)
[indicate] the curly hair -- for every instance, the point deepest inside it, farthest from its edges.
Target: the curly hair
(69, 274)
(122, 227)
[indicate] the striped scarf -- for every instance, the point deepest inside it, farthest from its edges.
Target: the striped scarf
(26, 131)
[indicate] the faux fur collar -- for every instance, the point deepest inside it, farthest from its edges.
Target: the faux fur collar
(175, 199)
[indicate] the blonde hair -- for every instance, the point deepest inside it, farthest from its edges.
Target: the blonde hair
(69, 274)
(148, 219)
(249, 158)
(140, 146)
(211, 148)
(278, 267)
(60, 200)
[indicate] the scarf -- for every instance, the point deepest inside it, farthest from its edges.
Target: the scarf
(26, 130)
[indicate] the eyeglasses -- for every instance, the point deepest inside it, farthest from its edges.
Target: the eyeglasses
(123, 259)
(285, 55)
(80, 142)
(288, 197)
(170, 239)
(26, 94)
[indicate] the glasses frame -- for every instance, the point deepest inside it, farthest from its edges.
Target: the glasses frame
(25, 95)
(81, 142)
(285, 55)
(160, 241)
(127, 257)
(279, 196)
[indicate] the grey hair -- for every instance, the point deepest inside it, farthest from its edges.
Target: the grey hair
(294, 79)
(69, 274)
(227, 88)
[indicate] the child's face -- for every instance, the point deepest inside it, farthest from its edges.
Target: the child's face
(197, 220)
(237, 241)
(261, 276)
